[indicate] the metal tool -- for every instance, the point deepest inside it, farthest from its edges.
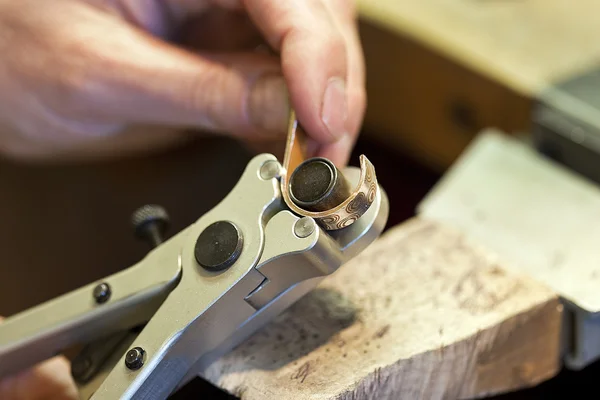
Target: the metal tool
(200, 293)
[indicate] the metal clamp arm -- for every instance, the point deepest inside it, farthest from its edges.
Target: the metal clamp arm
(208, 304)
(202, 292)
(121, 301)
(293, 264)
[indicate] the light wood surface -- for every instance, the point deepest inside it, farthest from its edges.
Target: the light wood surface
(440, 71)
(423, 313)
(524, 44)
(537, 215)
(430, 106)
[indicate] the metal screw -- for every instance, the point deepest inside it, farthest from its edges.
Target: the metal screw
(134, 359)
(304, 227)
(102, 293)
(269, 170)
(150, 223)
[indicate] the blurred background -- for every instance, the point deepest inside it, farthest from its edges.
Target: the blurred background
(439, 72)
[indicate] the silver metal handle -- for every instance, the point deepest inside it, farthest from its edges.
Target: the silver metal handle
(208, 303)
(130, 297)
(201, 309)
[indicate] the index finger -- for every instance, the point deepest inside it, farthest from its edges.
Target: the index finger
(314, 62)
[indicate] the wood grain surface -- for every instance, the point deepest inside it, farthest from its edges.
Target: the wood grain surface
(440, 71)
(422, 313)
(429, 106)
(524, 44)
(533, 212)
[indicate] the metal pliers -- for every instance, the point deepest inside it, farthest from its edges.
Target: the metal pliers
(153, 326)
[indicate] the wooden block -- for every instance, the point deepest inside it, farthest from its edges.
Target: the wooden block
(440, 71)
(422, 313)
(534, 213)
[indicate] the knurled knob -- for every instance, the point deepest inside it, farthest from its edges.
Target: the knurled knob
(150, 223)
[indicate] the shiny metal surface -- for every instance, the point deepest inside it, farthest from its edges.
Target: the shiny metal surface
(43, 331)
(270, 302)
(194, 314)
(205, 306)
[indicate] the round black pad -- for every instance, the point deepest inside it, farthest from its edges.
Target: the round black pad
(312, 181)
(218, 246)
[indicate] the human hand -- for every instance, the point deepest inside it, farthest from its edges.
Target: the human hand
(50, 380)
(76, 73)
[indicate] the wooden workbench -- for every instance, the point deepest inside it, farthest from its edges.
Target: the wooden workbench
(475, 296)
(440, 71)
(428, 311)
(422, 314)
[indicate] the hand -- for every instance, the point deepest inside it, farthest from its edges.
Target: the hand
(50, 380)
(76, 74)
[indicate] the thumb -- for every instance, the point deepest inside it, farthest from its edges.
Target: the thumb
(137, 78)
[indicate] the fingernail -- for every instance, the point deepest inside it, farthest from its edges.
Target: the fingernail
(335, 108)
(268, 105)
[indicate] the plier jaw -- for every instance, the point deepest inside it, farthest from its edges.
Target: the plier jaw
(197, 295)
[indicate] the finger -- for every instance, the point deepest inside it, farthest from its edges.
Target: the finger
(180, 10)
(49, 380)
(338, 152)
(314, 61)
(132, 77)
(133, 140)
(344, 14)
(161, 16)
(220, 30)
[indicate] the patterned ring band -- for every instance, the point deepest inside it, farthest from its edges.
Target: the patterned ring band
(348, 211)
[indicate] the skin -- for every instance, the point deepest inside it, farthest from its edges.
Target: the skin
(87, 79)
(99, 78)
(50, 380)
